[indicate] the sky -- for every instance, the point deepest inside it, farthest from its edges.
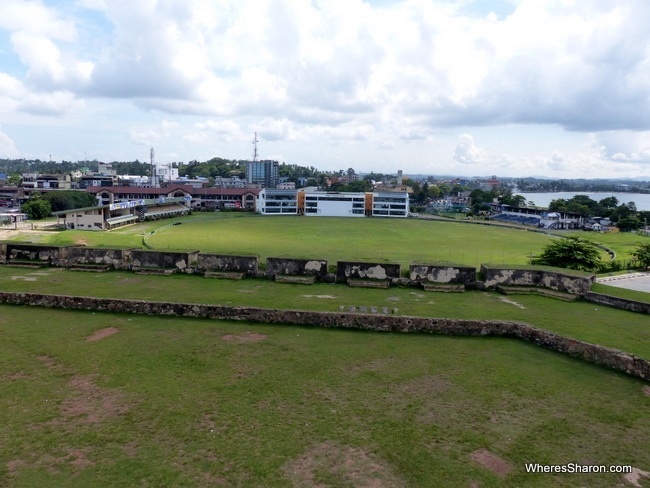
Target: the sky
(514, 88)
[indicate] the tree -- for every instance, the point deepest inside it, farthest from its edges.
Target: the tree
(67, 199)
(572, 253)
(642, 253)
(609, 202)
(629, 224)
(37, 208)
(480, 200)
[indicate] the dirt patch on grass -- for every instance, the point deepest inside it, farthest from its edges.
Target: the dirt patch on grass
(329, 464)
(102, 333)
(24, 278)
(90, 403)
(247, 337)
(73, 457)
(87, 403)
(494, 463)
(318, 296)
(646, 390)
(52, 364)
(78, 459)
(14, 465)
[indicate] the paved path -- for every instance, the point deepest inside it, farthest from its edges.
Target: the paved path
(631, 281)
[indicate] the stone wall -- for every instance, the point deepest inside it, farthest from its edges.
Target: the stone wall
(227, 264)
(116, 258)
(442, 274)
(578, 285)
(52, 255)
(296, 267)
(616, 302)
(591, 353)
(366, 271)
(178, 261)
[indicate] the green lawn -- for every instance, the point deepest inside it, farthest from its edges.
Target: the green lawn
(182, 402)
(616, 291)
(386, 240)
(602, 325)
(622, 243)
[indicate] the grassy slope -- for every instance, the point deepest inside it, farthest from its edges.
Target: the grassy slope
(613, 328)
(194, 410)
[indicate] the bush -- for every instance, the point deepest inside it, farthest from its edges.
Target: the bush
(572, 253)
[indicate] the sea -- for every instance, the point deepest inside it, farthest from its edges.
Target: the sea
(641, 200)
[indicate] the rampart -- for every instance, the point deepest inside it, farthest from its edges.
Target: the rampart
(578, 285)
(247, 265)
(616, 302)
(22, 251)
(346, 270)
(591, 353)
(114, 258)
(296, 267)
(176, 261)
(464, 275)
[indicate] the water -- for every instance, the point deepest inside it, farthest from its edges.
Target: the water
(642, 200)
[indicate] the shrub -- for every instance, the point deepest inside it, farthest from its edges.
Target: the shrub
(572, 253)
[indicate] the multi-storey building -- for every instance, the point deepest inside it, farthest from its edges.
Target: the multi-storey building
(332, 204)
(264, 173)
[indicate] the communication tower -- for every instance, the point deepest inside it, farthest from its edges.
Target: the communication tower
(255, 148)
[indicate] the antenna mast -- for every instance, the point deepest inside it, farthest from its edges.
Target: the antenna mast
(255, 148)
(152, 158)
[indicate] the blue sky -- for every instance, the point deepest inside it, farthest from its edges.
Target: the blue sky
(508, 87)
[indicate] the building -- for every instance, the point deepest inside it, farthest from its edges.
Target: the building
(200, 198)
(332, 204)
(277, 202)
(218, 198)
(287, 185)
(44, 181)
(264, 173)
(113, 215)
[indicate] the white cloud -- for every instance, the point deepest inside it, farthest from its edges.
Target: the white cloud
(343, 72)
(148, 136)
(466, 152)
(34, 18)
(7, 147)
(220, 130)
(624, 146)
(49, 104)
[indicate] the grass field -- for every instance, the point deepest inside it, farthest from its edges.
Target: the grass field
(623, 243)
(387, 240)
(94, 399)
(182, 402)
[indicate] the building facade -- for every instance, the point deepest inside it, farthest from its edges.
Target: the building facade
(264, 173)
(332, 204)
